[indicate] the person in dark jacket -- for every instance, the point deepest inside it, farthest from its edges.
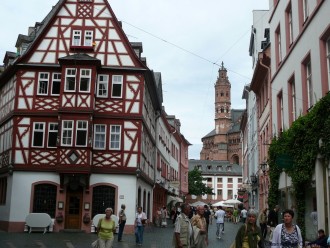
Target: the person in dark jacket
(321, 241)
(273, 217)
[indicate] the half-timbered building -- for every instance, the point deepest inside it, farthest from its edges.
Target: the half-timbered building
(78, 121)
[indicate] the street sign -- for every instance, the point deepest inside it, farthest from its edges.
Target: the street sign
(284, 161)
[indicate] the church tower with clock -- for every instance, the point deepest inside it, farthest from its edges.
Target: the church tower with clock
(223, 143)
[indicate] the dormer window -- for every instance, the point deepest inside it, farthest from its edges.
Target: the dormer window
(229, 168)
(209, 167)
(82, 38)
(219, 168)
(199, 167)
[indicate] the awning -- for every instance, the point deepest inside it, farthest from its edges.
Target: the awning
(174, 199)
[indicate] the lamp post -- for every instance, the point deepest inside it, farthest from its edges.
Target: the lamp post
(263, 167)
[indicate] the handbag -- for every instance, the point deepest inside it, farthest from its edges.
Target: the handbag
(95, 244)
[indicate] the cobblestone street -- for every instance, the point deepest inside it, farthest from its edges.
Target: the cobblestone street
(154, 237)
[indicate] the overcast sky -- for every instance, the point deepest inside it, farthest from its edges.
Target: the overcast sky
(185, 40)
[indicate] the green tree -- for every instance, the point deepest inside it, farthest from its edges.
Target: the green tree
(196, 185)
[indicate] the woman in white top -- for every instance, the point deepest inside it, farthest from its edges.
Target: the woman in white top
(287, 235)
(140, 221)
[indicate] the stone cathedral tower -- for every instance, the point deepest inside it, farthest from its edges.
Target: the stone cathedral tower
(223, 143)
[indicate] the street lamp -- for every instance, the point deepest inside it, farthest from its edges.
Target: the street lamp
(263, 167)
(138, 172)
(254, 179)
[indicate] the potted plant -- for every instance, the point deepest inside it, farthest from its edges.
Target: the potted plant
(59, 217)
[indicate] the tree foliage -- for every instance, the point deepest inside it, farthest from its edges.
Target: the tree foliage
(308, 137)
(197, 185)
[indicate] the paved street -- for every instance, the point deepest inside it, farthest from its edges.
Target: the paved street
(154, 237)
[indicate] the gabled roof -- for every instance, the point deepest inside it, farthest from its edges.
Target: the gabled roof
(236, 115)
(48, 21)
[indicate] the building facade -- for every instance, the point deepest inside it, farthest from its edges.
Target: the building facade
(79, 121)
(258, 121)
(300, 40)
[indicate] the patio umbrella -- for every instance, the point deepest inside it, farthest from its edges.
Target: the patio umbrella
(232, 201)
(198, 203)
(222, 204)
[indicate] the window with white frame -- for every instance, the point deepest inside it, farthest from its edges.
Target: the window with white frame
(43, 81)
(99, 136)
(117, 86)
(88, 41)
(278, 45)
(38, 134)
(82, 38)
(309, 84)
(76, 41)
(52, 134)
(70, 79)
(85, 79)
(290, 25)
(67, 131)
(305, 9)
(115, 134)
(81, 133)
(293, 99)
(102, 85)
(56, 84)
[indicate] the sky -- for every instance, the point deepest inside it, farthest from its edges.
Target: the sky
(185, 40)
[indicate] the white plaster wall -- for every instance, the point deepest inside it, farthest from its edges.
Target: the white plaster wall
(19, 193)
(308, 43)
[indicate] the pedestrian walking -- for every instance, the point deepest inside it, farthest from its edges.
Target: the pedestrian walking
(235, 216)
(140, 221)
(263, 222)
(287, 234)
(164, 216)
(183, 229)
(122, 222)
(207, 214)
(249, 234)
(220, 216)
(273, 220)
(198, 223)
(244, 215)
(105, 230)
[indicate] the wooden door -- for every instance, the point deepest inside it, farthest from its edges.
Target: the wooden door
(73, 209)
